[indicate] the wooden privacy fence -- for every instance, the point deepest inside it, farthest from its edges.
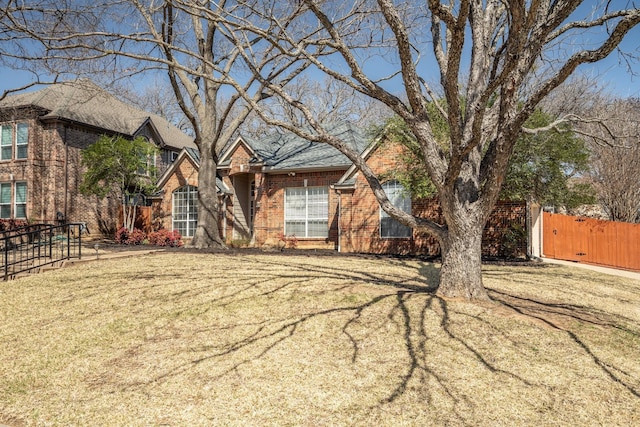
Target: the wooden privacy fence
(592, 241)
(143, 219)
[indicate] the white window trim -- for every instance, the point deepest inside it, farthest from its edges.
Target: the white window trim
(11, 141)
(190, 230)
(383, 214)
(306, 218)
(15, 199)
(17, 145)
(10, 199)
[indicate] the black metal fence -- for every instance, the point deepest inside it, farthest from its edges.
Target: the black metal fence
(29, 248)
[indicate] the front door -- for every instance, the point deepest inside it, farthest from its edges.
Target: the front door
(243, 206)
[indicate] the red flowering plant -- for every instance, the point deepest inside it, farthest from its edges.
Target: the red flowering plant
(164, 237)
(126, 237)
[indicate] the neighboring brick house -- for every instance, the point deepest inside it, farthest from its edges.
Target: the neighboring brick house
(42, 136)
(283, 185)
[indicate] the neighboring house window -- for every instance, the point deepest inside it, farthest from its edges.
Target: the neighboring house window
(306, 211)
(151, 165)
(149, 160)
(398, 196)
(5, 200)
(22, 140)
(185, 210)
(6, 142)
(19, 200)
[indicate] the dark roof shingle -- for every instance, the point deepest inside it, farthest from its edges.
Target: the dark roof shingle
(83, 101)
(288, 151)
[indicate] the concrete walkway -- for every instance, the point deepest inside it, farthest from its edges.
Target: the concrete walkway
(605, 270)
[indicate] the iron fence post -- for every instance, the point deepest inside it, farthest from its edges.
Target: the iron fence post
(80, 228)
(6, 259)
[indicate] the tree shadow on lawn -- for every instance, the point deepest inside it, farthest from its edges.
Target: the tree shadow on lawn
(569, 318)
(411, 304)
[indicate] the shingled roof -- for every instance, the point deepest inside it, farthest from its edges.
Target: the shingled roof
(287, 151)
(194, 154)
(84, 102)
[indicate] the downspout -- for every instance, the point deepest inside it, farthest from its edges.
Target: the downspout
(339, 219)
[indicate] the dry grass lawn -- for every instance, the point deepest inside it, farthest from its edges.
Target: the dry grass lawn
(183, 339)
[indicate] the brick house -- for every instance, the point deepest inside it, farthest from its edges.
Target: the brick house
(42, 136)
(283, 185)
(175, 205)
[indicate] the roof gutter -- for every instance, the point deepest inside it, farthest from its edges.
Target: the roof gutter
(276, 170)
(339, 186)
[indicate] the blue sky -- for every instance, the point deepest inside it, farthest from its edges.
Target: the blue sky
(612, 73)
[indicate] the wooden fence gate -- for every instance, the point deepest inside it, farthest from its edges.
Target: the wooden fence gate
(143, 219)
(592, 241)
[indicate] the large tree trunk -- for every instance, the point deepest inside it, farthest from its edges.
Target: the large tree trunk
(461, 271)
(207, 233)
(461, 244)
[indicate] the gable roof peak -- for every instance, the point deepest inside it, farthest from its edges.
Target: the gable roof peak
(83, 101)
(282, 151)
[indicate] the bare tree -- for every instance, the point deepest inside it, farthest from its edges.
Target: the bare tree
(496, 61)
(183, 39)
(331, 100)
(157, 98)
(615, 149)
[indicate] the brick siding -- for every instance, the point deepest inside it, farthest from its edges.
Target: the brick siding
(53, 172)
(504, 235)
(354, 215)
(184, 173)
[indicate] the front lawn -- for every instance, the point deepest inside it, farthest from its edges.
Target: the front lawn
(247, 339)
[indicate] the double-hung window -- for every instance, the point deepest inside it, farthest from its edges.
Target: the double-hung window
(398, 196)
(20, 200)
(22, 140)
(306, 211)
(13, 201)
(7, 141)
(5, 200)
